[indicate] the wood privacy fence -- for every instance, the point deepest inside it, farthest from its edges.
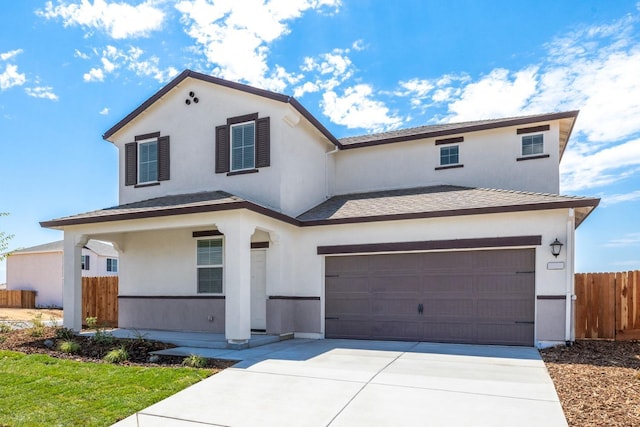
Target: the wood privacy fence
(17, 299)
(100, 300)
(608, 305)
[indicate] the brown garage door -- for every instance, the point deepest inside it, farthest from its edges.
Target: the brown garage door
(481, 297)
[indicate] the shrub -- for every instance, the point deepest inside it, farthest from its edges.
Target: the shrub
(4, 328)
(70, 347)
(117, 355)
(37, 329)
(91, 322)
(64, 333)
(195, 361)
(101, 336)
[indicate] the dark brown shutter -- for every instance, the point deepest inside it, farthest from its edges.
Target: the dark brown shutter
(222, 149)
(86, 263)
(163, 158)
(263, 143)
(131, 163)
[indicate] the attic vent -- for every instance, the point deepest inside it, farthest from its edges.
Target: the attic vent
(192, 98)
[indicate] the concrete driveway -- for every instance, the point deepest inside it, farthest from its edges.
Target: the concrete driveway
(366, 383)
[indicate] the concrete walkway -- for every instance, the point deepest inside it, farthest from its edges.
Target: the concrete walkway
(366, 383)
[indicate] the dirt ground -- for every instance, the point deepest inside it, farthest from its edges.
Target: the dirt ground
(598, 382)
(26, 314)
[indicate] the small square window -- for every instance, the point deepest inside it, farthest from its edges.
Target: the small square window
(84, 262)
(243, 146)
(449, 155)
(532, 145)
(112, 265)
(209, 266)
(148, 161)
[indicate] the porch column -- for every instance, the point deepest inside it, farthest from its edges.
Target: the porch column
(72, 295)
(237, 280)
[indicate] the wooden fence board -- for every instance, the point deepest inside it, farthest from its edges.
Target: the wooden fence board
(607, 305)
(100, 300)
(17, 299)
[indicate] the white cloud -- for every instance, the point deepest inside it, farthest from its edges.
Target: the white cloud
(104, 111)
(630, 239)
(80, 55)
(132, 59)
(94, 75)
(235, 36)
(119, 20)
(10, 77)
(44, 92)
(599, 168)
(613, 199)
(356, 108)
(358, 45)
(11, 54)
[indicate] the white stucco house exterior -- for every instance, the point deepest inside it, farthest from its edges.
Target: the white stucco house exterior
(240, 212)
(40, 268)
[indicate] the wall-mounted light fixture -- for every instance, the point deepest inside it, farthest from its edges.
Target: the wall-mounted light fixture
(556, 247)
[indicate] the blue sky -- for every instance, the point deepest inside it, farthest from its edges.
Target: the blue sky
(69, 70)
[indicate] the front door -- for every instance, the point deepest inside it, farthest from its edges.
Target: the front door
(258, 290)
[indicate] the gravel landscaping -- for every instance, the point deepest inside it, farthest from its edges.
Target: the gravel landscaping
(598, 382)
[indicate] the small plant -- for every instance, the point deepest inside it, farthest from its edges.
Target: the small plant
(195, 361)
(139, 337)
(100, 336)
(4, 328)
(68, 346)
(2, 339)
(37, 328)
(64, 333)
(117, 355)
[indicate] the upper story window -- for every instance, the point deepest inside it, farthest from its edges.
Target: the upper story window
(532, 145)
(449, 155)
(112, 265)
(147, 161)
(243, 145)
(209, 266)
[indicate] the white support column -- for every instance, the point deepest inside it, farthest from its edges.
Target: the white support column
(237, 280)
(72, 296)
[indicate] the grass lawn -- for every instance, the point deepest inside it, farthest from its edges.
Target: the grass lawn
(41, 390)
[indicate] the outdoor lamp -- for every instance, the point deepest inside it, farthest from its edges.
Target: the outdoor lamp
(556, 247)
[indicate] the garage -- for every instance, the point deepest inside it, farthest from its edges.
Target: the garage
(476, 297)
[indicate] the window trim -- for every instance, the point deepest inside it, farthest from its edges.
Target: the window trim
(139, 160)
(253, 150)
(221, 266)
(532, 155)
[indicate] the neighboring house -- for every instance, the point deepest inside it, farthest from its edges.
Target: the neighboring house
(40, 268)
(239, 211)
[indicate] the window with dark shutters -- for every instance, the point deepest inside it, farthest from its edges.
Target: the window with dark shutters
(131, 161)
(262, 143)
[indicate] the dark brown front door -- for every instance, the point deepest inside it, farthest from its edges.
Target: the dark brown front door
(480, 297)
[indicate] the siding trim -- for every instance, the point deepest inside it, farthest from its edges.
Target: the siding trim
(488, 242)
(533, 129)
(294, 298)
(439, 168)
(206, 233)
(539, 156)
(551, 297)
(453, 140)
(146, 136)
(171, 297)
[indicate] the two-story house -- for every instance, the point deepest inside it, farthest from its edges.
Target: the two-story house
(239, 211)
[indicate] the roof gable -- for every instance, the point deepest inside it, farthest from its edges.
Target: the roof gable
(226, 83)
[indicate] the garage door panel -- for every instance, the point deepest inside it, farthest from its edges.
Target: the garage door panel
(387, 284)
(469, 296)
(438, 284)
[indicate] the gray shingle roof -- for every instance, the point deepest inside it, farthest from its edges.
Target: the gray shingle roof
(445, 129)
(422, 202)
(433, 201)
